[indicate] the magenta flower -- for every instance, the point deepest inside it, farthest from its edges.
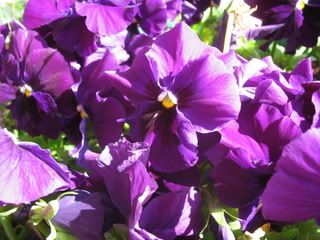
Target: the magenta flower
(179, 87)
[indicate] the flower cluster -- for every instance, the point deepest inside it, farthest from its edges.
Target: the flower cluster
(166, 129)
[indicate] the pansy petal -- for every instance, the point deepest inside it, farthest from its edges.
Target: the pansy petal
(7, 93)
(139, 83)
(173, 214)
(105, 19)
(36, 114)
(207, 94)
(292, 192)
(28, 172)
(174, 144)
(125, 169)
(105, 116)
(174, 49)
(81, 215)
(39, 13)
(153, 14)
(238, 180)
(72, 35)
(23, 42)
(48, 71)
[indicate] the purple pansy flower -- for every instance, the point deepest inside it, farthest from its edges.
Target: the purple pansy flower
(28, 172)
(180, 87)
(250, 147)
(149, 215)
(94, 98)
(292, 192)
(75, 25)
(38, 75)
(300, 22)
(153, 15)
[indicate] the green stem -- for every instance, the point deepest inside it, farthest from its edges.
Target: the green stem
(6, 224)
(273, 49)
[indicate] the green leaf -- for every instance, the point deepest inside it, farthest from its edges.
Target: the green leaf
(7, 211)
(11, 10)
(117, 232)
(308, 230)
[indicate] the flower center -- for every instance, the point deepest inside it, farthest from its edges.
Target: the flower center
(167, 99)
(26, 90)
(82, 112)
(300, 4)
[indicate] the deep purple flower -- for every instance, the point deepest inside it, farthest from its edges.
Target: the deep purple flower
(94, 98)
(38, 76)
(82, 215)
(299, 21)
(75, 25)
(28, 172)
(268, 121)
(131, 187)
(153, 15)
(180, 87)
(292, 192)
(127, 180)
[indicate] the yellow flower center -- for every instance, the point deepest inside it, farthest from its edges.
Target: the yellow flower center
(167, 99)
(300, 4)
(26, 90)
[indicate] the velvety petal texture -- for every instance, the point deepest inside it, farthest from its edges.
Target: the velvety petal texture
(27, 171)
(180, 86)
(48, 71)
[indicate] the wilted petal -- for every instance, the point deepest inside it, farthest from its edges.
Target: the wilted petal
(27, 171)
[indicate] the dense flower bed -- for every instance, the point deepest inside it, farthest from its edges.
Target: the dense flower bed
(160, 119)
